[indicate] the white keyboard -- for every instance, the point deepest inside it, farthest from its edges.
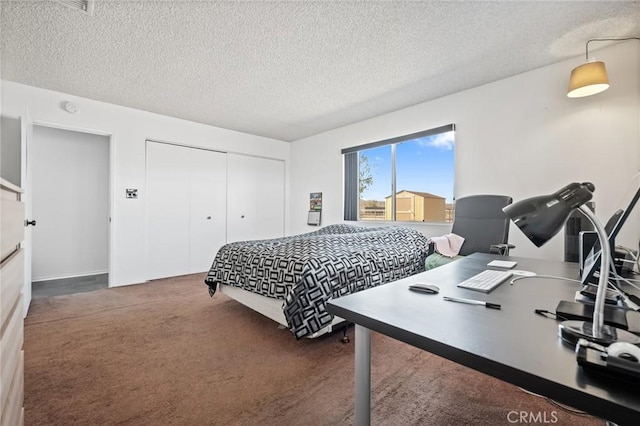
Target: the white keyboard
(486, 280)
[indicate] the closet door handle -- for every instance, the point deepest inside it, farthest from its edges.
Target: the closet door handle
(30, 222)
(208, 217)
(242, 217)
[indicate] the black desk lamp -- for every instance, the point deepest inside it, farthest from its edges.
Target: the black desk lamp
(542, 217)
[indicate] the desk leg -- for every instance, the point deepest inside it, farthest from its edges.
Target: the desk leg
(363, 376)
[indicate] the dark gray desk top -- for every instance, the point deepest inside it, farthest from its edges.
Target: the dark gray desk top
(513, 344)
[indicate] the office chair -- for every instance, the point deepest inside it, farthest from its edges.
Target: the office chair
(479, 219)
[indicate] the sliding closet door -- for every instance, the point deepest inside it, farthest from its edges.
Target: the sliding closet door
(167, 210)
(270, 200)
(255, 198)
(198, 200)
(242, 217)
(207, 208)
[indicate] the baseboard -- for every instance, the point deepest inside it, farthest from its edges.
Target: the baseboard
(61, 277)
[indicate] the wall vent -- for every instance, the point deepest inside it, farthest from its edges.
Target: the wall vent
(85, 6)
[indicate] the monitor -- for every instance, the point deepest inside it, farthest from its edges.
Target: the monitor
(612, 228)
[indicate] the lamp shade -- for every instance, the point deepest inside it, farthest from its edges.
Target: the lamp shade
(542, 217)
(588, 79)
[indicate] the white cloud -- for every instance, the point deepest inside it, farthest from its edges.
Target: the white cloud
(443, 140)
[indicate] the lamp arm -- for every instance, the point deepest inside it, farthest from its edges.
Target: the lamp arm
(606, 39)
(605, 260)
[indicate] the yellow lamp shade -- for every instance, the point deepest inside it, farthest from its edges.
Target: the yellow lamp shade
(587, 80)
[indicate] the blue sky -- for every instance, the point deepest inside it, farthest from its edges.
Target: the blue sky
(424, 164)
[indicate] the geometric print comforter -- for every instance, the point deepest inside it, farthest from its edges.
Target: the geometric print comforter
(307, 270)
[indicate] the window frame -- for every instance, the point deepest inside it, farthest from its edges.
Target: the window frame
(352, 165)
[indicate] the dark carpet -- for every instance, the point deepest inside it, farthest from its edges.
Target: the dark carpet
(164, 353)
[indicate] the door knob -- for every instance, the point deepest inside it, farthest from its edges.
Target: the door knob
(30, 222)
(242, 217)
(208, 217)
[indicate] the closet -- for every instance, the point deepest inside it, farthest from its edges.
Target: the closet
(198, 200)
(186, 209)
(255, 200)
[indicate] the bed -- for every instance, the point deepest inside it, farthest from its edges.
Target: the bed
(290, 279)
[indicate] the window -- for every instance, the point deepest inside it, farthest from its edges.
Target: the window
(417, 168)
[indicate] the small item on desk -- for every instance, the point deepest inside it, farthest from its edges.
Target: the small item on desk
(620, 359)
(635, 299)
(624, 350)
(472, 302)
(424, 288)
(545, 314)
(502, 264)
(521, 273)
(613, 315)
(590, 291)
(486, 280)
(630, 301)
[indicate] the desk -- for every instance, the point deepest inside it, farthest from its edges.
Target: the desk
(512, 344)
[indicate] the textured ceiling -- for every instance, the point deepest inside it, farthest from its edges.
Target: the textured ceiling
(288, 70)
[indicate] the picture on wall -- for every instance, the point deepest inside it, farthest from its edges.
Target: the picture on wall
(315, 208)
(315, 201)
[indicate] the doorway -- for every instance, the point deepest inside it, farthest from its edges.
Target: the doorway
(70, 187)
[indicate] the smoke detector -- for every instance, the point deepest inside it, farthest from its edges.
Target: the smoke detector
(85, 6)
(71, 108)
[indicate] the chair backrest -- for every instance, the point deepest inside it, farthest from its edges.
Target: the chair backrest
(481, 221)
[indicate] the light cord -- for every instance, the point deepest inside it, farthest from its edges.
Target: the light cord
(607, 39)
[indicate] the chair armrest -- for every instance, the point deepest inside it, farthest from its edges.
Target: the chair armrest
(431, 248)
(501, 249)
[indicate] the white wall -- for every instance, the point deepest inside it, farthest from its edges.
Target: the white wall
(519, 136)
(70, 199)
(10, 144)
(129, 128)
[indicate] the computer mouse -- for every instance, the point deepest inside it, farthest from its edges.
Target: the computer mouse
(625, 351)
(424, 288)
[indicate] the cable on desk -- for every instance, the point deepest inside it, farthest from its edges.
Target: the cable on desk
(632, 254)
(630, 282)
(633, 298)
(616, 276)
(553, 277)
(630, 300)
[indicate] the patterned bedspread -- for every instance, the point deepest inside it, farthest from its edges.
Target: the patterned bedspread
(309, 269)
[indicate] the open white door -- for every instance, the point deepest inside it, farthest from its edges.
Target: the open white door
(26, 132)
